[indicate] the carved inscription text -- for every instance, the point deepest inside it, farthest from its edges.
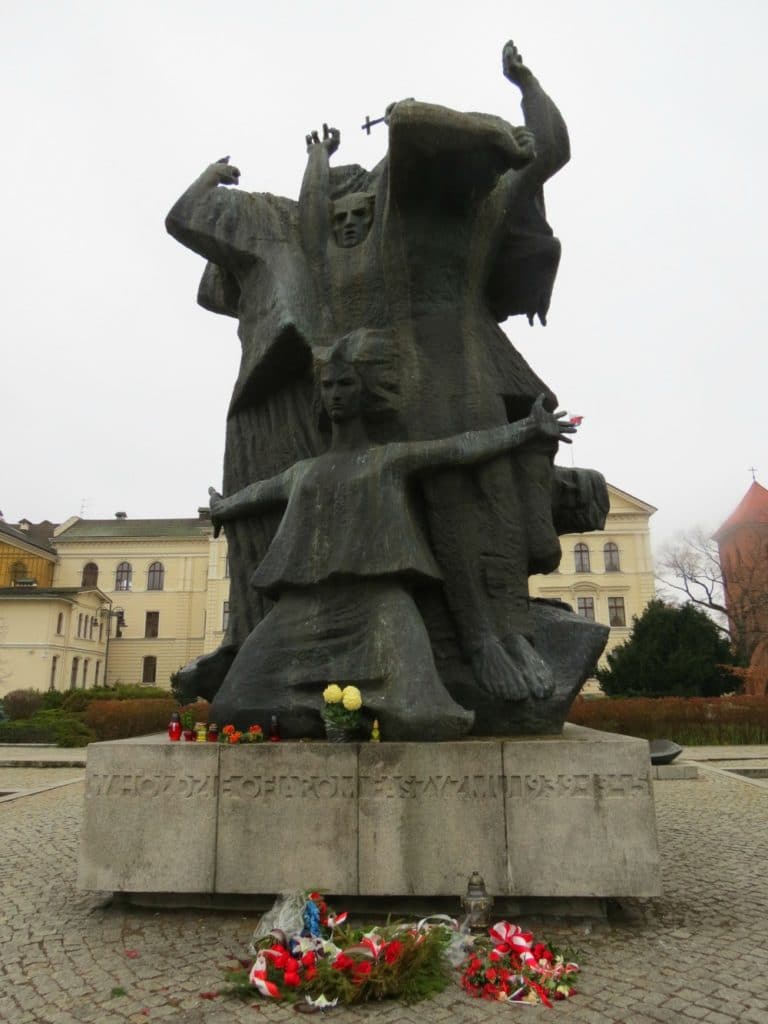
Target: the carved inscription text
(139, 784)
(586, 785)
(476, 787)
(287, 787)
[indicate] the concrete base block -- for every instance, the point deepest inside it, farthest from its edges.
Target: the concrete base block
(150, 816)
(430, 814)
(287, 808)
(580, 816)
(564, 817)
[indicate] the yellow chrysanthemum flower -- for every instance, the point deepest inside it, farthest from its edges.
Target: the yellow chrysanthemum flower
(351, 698)
(332, 694)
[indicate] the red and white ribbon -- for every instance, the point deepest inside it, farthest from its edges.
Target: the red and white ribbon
(258, 977)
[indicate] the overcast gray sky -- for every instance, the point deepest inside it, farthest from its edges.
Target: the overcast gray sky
(115, 383)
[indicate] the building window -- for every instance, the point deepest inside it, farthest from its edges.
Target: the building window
(97, 673)
(616, 614)
(60, 624)
(73, 676)
(54, 666)
(123, 576)
(611, 556)
(85, 673)
(226, 567)
(149, 669)
(585, 606)
(155, 576)
(18, 573)
(152, 625)
(79, 624)
(581, 558)
(225, 616)
(90, 575)
(101, 632)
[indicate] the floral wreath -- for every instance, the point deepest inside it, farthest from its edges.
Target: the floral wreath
(327, 962)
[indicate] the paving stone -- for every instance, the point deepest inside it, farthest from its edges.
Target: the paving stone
(695, 1012)
(61, 953)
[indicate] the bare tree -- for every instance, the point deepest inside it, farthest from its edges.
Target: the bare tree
(736, 595)
(690, 565)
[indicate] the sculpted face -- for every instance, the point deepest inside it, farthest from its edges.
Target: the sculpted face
(341, 390)
(352, 218)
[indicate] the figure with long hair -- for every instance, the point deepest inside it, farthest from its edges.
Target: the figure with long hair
(347, 555)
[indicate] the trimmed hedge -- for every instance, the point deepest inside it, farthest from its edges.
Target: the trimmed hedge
(197, 711)
(102, 720)
(78, 700)
(685, 720)
(122, 719)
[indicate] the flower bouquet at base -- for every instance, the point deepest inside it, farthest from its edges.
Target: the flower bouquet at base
(510, 966)
(253, 734)
(326, 962)
(188, 726)
(341, 713)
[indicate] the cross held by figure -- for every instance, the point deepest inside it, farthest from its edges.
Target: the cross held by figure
(369, 123)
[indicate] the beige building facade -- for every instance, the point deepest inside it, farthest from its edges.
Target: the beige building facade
(607, 576)
(155, 575)
(132, 600)
(52, 638)
(217, 595)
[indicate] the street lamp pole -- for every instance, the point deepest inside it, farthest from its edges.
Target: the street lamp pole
(109, 614)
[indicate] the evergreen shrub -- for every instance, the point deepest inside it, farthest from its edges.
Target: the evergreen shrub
(76, 700)
(672, 651)
(48, 727)
(53, 699)
(24, 730)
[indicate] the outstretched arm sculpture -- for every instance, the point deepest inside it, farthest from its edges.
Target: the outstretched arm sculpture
(343, 562)
(445, 238)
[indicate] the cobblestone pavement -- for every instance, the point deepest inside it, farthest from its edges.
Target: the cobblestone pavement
(695, 954)
(23, 780)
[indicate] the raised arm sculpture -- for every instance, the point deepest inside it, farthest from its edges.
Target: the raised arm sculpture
(443, 239)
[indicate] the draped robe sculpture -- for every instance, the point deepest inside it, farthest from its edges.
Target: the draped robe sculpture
(443, 239)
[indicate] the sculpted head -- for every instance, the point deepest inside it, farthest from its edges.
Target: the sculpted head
(341, 390)
(358, 376)
(352, 216)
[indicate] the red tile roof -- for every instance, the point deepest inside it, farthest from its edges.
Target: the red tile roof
(751, 510)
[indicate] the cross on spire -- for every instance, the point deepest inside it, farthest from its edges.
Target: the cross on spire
(753, 471)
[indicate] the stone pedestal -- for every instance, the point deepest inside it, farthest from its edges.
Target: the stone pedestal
(567, 816)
